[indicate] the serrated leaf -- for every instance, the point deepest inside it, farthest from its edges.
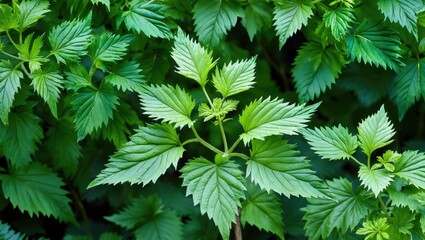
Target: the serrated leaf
(258, 13)
(8, 20)
(289, 17)
(193, 61)
(30, 51)
(148, 154)
(375, 131)
(107, 3)
(338, 21)
(316, 69)
(275, 165)
(108, 47)
(409, 84)
(48, 84)
(236, 77)
(126, 76)
(77, 78)
(7, 233)
(172, 105)
(18, 139)
(263, 210)
(375, 228)
(375, 179)
(26, 189)
(150, 219)
(331, 143)
(29, 12)
(70, 39)
(411, 166)
(373, 43)
(9, 86)
(145, 16)
(93, 109)
(262, 118)
(402, 12)
(213, 19)
(217, 188)
(344, 212)
(219, 109)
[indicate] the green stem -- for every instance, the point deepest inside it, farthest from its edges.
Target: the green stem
(192, 140)
(12, 56)
(357, 161)
(241, 155)
(368, 161)
(234, 145)
(205, 143)
(381, 202)
(25, 71)
(80, 205)
(223, 135)
(11, 39)
(208, 97)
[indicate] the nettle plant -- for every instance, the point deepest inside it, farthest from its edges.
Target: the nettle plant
(390, 199)
(221, 189)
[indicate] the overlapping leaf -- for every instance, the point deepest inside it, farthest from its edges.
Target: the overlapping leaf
(217, 188)
(268, 117)
(9, 86)
(8, 19)
(108, 47)
(77, 78)
(375, 179)
(107, 3)
(411, 166)
(172, 105)
(29, 51)
(338, 21)
(126, 76)
(30, 11)
(257, 15)
(7, 233)
(275, 165)
(148, 154)
(48, 84)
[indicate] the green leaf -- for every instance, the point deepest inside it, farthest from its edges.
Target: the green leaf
(77, 78)
(343, 213)
(219, 110)
(316, 69)
(48, 84)
(411, 166)
(93, 108)
(338, 21)
(402, 12)
(409, 84)
(9, 86)
(172, 105)
(196, 227)
(214, 18)
(373, 43)
(150, 219)
(331, 143)
(218, 188)
(18, 139)
(126, 76)
(263, 210)
(375, 131)
(262, 118)
(29, 12)
(107, 3)
(274, 165)
(108, 47)
(377, 228)
(236, 77)
(8, 19)
(375, 179)
(70, 40)
(31, 54)
(257, 15)
(148, 154)
(145, 16)
(193, 61)
(289, 17)
(7, 233)
(27, 189)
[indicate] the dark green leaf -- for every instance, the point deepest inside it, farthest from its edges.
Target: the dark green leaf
(9, 86)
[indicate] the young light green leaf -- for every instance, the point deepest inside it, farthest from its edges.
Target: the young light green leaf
(145, 16)
(18, 139)
(148, 154)
(126, 76)
(331, 143)
(48, 84)
(7, 233)
(150, 219)
(31, 54)
(217, 188)
(8, 18)
(172, 105)
(375, 179)
(107, 3)
(316, 69)
(262, 209)
(9, 86)
(267, 117)
(402, 12)
(258, 13)
(26, 189)
(338, 21)
(93, 108)
(77, 78)
(214, 18)
(375, 229)
(219, 110)
(409, 84)
(108, 47)
(29, 12)
(373, 43)
(411, 166)
(193, 61)
(274, 165)
(289, 17)
(375, 132)
(344, 212)
(236, 77)
(70, 39)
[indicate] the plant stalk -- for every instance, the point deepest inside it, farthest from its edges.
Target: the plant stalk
(237, 227)
(205, 143)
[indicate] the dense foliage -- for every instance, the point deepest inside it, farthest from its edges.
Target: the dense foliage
(208, 119)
